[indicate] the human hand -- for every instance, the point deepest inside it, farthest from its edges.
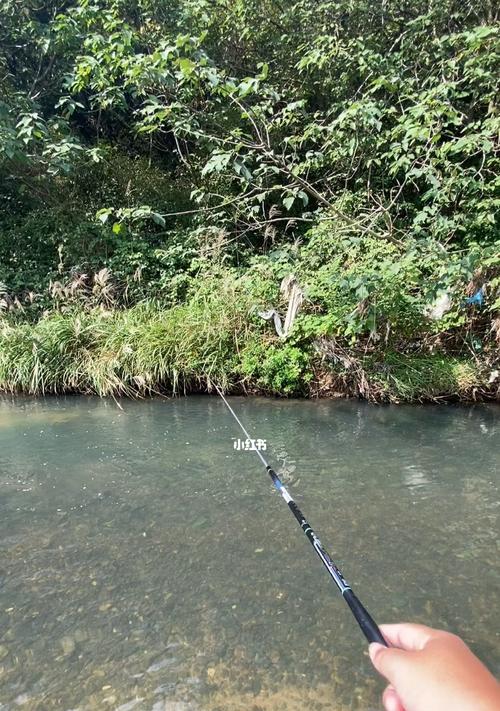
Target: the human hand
(432, 670)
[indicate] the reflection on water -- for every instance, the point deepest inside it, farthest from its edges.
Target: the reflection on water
(145, 564)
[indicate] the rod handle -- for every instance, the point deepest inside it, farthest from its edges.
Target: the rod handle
(368, 625)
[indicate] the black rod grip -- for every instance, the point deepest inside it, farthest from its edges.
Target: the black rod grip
(368, 625)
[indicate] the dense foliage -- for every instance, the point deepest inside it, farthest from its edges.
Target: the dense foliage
(177, 152)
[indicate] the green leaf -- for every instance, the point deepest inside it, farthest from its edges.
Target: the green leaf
(216, 163)
(186, 66)
(241, 169)
(159, 219)
(103, 215)
(304, 197)
(264, 70)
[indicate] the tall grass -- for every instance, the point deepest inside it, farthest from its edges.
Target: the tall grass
(429, 377)
(130, 352)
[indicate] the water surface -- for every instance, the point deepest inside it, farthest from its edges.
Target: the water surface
(145, 564)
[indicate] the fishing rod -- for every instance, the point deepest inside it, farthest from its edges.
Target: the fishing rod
(368, 625)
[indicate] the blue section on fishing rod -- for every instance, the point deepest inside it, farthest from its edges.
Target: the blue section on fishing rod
(477, 298)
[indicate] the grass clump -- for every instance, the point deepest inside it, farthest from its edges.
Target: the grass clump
(128, 352)
(428, 377)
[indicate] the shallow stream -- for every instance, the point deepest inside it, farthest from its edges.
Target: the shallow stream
(146, 564)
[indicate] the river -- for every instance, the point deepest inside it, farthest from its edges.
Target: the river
(147, 564)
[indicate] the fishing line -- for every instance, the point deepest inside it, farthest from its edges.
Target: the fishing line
(368, 625)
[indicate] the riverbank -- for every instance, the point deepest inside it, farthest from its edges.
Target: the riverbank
(146, 350)
(358, 317)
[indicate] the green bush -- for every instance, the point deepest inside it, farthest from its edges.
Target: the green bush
(281, 369)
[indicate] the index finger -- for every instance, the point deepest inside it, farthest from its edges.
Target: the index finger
(407, 635)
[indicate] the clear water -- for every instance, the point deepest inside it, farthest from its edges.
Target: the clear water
(145, 564)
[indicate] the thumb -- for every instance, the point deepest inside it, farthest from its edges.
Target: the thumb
(388, 661)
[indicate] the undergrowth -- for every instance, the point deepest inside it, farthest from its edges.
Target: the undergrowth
(368, 326)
